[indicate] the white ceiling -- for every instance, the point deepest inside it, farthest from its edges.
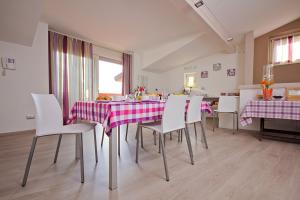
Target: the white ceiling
(146, 25)
(241, 16)
(124, 24)
(19, 20)
(202, 46)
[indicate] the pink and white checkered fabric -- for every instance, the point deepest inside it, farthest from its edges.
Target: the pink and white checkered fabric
(112, 114)
(270, 109)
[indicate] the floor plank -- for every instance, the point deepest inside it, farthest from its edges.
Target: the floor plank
(234, 167)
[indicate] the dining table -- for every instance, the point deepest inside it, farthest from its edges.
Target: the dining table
(272, 109)
(112, 114)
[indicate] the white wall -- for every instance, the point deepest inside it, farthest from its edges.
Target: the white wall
(107, 53)
(217, 81)
(249, 57)
(31, 76)
(154, 80)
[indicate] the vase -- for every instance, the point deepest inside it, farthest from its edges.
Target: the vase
(267, 94)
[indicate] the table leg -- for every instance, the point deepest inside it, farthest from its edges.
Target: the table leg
(113, 155)
(203, 119)
(262, 127)
(77, 147)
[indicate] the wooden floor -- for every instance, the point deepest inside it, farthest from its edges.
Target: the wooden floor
(234, 167)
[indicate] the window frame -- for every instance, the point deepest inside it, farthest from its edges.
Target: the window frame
(281, 36)
(186, 75)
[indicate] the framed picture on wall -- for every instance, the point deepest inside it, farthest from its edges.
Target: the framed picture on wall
(231, 72)
(217, 67)
(204, 74)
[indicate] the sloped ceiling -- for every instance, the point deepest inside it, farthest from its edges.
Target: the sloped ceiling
(202, 46)
(167, 33)
(260, 16)
(135, 25)
(19, 20)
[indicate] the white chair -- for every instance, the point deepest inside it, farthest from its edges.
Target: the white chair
(194, 115)
(227, 104)
(172, 120)
(49, 121)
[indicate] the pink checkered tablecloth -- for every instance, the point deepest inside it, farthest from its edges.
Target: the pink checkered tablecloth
(112, 114)
(270, 109)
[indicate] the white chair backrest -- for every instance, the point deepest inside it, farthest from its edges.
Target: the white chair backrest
(174, 111)
(228, 104)
(194, 109)
(118, 98)
(48, 114)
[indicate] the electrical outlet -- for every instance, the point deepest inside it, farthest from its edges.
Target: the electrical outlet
(29, 116)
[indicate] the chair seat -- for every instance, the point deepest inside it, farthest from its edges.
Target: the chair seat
(192, 121)
(77, 128)
(156, 126)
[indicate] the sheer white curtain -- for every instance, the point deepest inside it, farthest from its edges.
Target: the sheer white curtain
(296, 49)
(285, 50)
(71, 70)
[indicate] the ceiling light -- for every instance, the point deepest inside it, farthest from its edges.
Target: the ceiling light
(199, 3)
(229, 39)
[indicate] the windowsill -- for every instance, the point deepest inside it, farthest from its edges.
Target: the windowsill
(298, 62)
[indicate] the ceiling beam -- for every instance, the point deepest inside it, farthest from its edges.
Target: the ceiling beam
(204, 12)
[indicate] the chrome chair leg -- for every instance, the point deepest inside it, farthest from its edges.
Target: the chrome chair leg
(119, 145)
(171, 136)
(180, 135)
(95, 141)
(142, 138)
(126, 132)
(137, 135)
(164, 158)
(187, 136)
(214, 121)
(237, 121)
(57, 148)
(204, 135)
(164, 139)
(29, 160)
(81, 159)
(154, 137)
(195, 131)
(159, 145)
(102, 137)
(233, 125)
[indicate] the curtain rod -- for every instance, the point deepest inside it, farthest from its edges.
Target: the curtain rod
(87, 41)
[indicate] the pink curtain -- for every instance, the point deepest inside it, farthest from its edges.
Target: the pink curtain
(127, 74)
(70, 70)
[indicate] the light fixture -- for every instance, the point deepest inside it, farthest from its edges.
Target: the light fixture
(199, 3)
(229, 39)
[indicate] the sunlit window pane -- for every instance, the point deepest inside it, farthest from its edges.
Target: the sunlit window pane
(286, 49)
(296, 49)
(109, 77)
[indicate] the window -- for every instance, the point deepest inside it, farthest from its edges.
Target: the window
(110, 77)
(285, 49)
(190, 80)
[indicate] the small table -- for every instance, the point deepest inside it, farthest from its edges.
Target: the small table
(271, 110)
(112, 114)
